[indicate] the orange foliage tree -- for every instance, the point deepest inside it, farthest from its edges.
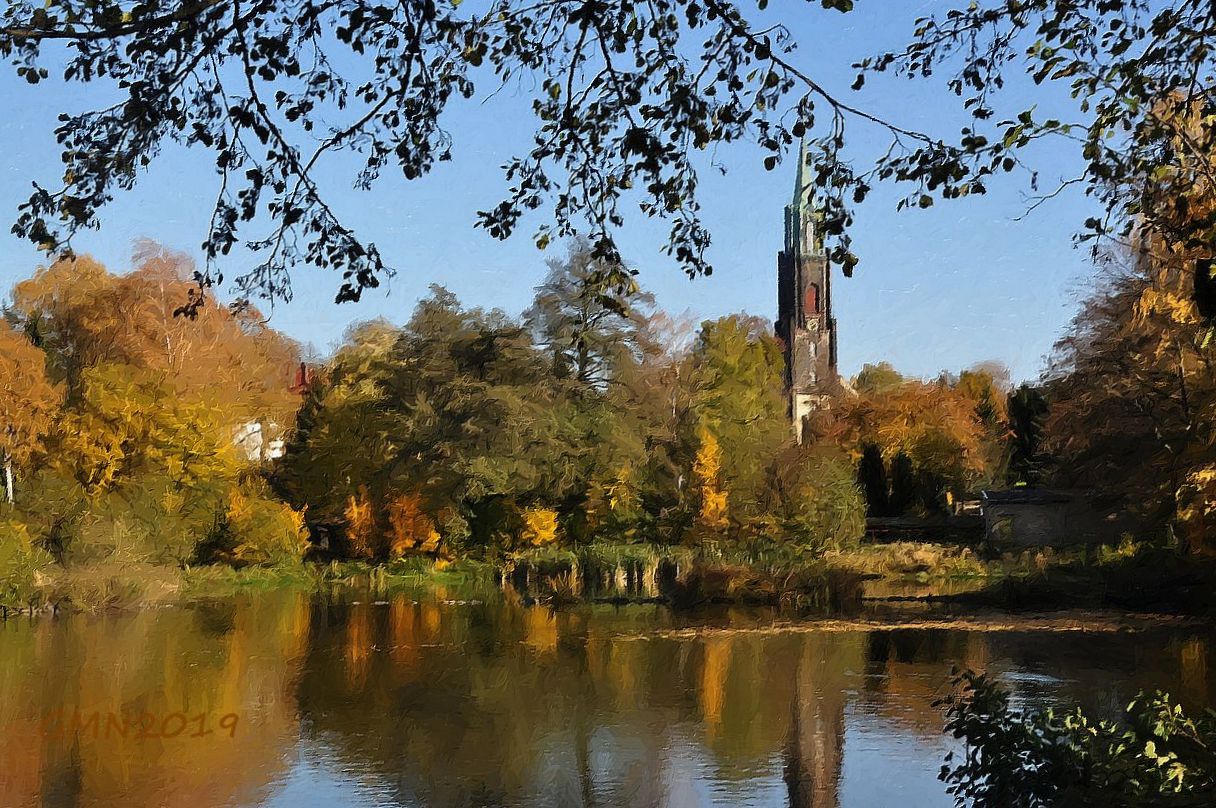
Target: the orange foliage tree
(411, 529)
(28, 402)
(84, 316)
(362, 532)
(931, 426)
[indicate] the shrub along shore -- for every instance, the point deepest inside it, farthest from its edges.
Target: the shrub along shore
(838, 583)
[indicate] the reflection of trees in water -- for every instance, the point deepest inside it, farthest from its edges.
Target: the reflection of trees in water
(498, 704)
(524, 706)
(236, 658)
(906, 671)
(485, 705)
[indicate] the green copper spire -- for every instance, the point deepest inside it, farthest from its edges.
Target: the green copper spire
(802, 177)
(801, 216)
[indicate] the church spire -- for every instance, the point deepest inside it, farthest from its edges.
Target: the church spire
(805, 324)
(802, 177)
(801, 237)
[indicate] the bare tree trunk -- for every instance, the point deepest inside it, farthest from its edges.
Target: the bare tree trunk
(8, 479)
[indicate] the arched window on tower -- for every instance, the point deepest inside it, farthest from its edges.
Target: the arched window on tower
(812, 300)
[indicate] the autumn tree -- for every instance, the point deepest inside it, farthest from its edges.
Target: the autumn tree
(422, 409)
(589, 326)
(735, 372)
(986, 386)
(930, 436)
(412, 530)
(141, 463)
(72, 309)
(1130, 386)
(83, 316)
(29, 402)
(145, 473)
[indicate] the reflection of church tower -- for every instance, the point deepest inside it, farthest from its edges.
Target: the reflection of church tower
(814, 752)
(804, 303)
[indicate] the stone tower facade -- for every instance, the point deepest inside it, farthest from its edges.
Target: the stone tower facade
(805, 323)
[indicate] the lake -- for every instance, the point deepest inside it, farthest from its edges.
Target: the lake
(300, 700)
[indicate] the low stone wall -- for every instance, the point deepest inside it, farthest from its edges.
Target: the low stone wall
(1035, 519)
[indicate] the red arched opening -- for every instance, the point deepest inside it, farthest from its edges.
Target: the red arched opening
(812, 300)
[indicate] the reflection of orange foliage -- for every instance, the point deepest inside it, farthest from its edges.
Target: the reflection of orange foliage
(1193, 667)
(403, 632)
(432, 621)
(360, 524)
(358, 645)
(540, 629)
(626, 661)
(410, 529)
(714, 668)
(159, 663)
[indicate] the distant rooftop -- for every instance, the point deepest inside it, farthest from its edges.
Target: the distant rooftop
(1026, 496)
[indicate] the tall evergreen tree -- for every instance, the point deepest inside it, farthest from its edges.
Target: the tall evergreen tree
(872, 477)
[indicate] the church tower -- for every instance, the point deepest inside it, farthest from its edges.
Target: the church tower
(804, 303)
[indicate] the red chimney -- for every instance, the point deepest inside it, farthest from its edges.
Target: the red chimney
(303, 379)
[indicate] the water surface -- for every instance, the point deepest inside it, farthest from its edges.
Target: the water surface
(302, 701)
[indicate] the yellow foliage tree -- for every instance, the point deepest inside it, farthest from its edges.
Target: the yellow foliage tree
(540, 527)
(265, 531)
(361, 532)
(128, 422)
(1197, 510)
(712, 508)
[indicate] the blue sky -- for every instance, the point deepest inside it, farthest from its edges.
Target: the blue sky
(937, 289)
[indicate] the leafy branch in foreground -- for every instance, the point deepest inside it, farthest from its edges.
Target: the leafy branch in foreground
(1140, 74)
(1155, 756)
(624, 92)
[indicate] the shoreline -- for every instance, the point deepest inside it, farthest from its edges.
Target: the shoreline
(877, 587)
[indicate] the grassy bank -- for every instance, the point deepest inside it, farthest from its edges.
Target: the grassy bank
(1131, 576)
(131, 586)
